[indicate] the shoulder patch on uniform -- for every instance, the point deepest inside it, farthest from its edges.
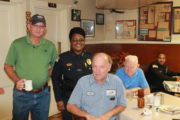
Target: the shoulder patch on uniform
(69, 64)
(154, 66)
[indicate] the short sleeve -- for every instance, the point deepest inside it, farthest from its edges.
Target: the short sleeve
(121, 93)
(76, 95)
(11, 56)
(143, 82)
(54, 56)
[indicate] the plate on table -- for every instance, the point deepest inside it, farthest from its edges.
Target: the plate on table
(169, 109)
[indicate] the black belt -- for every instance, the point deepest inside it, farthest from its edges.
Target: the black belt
(37, 90)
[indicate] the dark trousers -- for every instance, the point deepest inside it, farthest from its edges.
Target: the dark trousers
(65, 114)
(68, 116)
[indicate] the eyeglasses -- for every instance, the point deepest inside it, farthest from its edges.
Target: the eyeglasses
(38, 26)
(80, 40)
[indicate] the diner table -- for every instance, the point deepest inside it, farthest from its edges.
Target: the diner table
(132, 112)
(172, 86)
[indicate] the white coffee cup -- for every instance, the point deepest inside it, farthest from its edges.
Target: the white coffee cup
(28, 85)
(150, 99)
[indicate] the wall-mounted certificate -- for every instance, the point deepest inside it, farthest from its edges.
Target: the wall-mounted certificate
(176, 22)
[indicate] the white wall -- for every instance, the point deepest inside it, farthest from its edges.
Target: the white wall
(109, 28)
(88, 11)
(12, 26)
(110, 24)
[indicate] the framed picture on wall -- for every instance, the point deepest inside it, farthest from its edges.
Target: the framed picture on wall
(125, 29)
(99, 19)
(176, 20)
(75, 15)
(5, 0)
(89, 27)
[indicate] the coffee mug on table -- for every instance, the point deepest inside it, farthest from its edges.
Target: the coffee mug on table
(28, 85)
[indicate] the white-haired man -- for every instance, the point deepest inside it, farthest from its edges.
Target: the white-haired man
(132, 76)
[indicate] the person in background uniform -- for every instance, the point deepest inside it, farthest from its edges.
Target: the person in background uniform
(98, 96)
(158, 72)
(71, 66)
(31, 58)
(132, 76)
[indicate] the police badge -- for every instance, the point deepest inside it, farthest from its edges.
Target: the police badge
(88, 61)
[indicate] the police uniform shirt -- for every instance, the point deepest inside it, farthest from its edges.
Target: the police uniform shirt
(157, 73)
(66, 72)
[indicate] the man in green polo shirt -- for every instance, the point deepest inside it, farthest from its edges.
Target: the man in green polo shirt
(31, 58)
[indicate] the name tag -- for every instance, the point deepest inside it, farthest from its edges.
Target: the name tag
(110, 92)
(78, 70)
(90, 93)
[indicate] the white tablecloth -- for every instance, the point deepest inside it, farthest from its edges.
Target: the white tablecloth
(132, 112)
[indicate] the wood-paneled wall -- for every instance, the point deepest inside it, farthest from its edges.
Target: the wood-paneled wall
(145, 52)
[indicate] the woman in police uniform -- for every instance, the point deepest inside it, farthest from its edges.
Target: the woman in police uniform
(71, 66)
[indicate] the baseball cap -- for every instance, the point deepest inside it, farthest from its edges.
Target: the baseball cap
(38, 18)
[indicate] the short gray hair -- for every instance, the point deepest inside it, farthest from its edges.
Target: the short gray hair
(105, 55)
(131, 58)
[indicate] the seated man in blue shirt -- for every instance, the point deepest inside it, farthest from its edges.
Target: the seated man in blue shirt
(132, 76)
(98, 96)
